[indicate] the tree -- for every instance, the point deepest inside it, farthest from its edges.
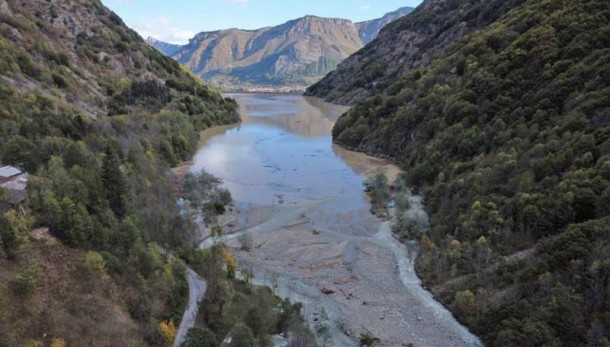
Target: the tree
(95, 262)
(242, 336)
(231, 264)
(200, 337)
(14, 232)
(378, 190)
(169, 331)
(115, 185)
(464, 302)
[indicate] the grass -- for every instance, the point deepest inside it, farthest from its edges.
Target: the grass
(67, 301)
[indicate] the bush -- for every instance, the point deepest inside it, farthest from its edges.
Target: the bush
(59, 81)
(26, 282)
(242, 336)
(95, 262)
(200, 337)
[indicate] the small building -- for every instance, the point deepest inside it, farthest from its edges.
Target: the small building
(15, 182)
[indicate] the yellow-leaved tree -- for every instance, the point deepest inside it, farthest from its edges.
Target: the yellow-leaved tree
(58, 342)
(231, 264)
(169, 331)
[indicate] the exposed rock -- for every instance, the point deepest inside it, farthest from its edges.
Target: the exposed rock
(4, 9)
(298, 52)
(405, 44)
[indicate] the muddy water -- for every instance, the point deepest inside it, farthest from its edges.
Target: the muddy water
(282, 151)
(318, 235)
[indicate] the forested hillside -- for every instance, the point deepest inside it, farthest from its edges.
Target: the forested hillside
(96, 117)
(408, 43)
(507, 135)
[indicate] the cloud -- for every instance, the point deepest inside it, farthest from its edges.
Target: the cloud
(365, 7)
(164, 30)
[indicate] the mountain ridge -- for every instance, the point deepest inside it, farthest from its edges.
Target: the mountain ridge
(405, 44)
(293, 54)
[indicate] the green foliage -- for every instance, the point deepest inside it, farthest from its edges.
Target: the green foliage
(14, 233)
(229, 302)
(114, 183)
(101, 182)
(242, 336)
(26, 282)
(431, 29)
(507, 137)
(200, 337)
(95, 262)
(378, 190)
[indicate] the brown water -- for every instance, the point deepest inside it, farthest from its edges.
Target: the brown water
(282, 152)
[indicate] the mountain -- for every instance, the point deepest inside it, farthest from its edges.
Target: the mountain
(405, 44)
(506, 133)
(294, 54)
(168, 49)
(96, 117)
(370, 29)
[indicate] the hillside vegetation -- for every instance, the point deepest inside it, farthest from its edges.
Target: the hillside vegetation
(96, 117)
(507, 135)
(408, 43)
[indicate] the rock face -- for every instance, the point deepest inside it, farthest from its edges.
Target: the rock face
(168, 49)
(296, 53)
(293, 52)
(369, 30)
(80, 54)
(405, 44)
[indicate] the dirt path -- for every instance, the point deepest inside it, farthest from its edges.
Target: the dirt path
(197, 288)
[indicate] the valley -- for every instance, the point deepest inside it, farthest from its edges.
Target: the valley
(444, 180)
(302, 226)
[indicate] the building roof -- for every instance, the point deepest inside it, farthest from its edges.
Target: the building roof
(9, 171)
(16, 182)
(14, 185)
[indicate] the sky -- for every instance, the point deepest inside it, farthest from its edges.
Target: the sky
(176, 21)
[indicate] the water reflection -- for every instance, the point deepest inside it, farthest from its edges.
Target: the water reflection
(309, 117)
(282, 150)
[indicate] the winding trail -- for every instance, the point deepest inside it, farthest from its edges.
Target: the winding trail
(197, 288)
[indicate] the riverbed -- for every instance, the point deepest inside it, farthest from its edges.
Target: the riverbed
(302, 226)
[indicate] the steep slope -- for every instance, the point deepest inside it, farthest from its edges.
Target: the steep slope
(405, 44)
(369, 30)
(167, 49)
(292, 53)
(508, 136)
(295, 54)
(96, 117)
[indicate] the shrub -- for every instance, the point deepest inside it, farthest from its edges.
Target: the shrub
(26, 282)
(95, 262)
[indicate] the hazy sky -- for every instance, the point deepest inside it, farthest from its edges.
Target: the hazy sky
(178, 20)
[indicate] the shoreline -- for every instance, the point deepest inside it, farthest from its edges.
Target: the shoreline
(348, 268)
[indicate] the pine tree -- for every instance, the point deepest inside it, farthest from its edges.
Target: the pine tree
(115, 185)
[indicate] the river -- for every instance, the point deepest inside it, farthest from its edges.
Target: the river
(303, 215)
